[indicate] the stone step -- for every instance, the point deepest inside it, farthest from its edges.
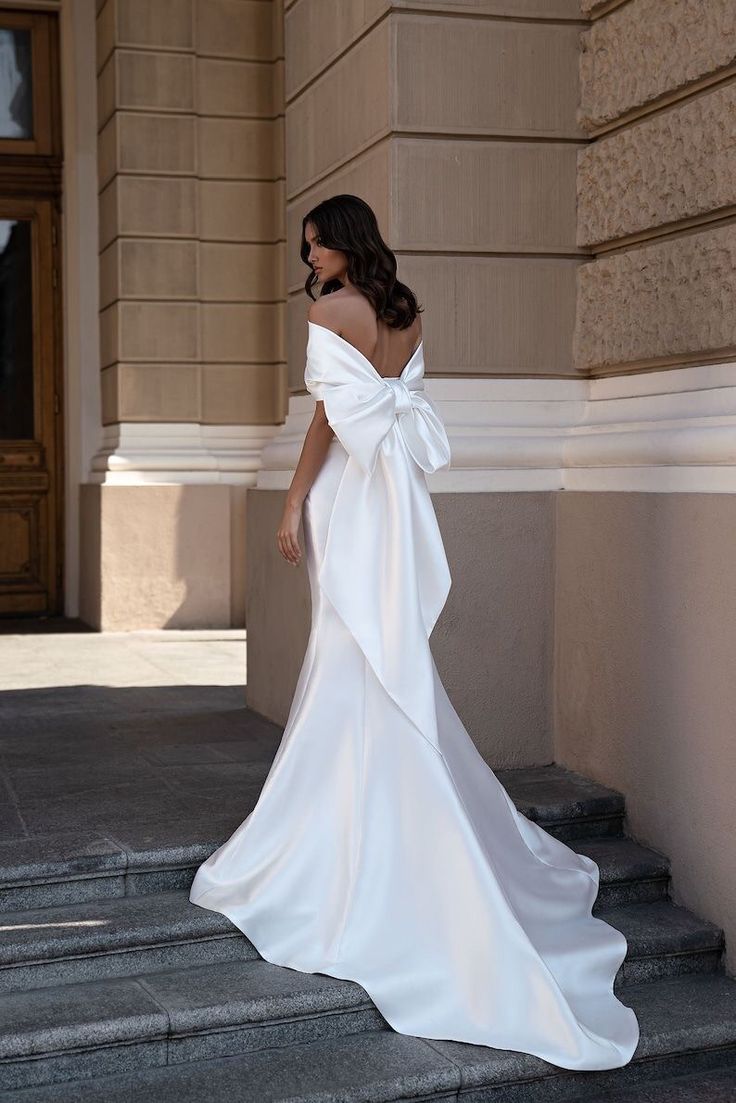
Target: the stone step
(664, 940)
(73, 868)
(688, 1025)
(113, 938)
(49, 870)
(75, 1031)
(136, 934)
(565, 803)
(718, 1086)
(629, 872)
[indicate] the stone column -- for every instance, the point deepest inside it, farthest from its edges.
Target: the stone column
(190, 170)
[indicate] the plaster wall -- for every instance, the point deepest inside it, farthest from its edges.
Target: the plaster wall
(645, 694)
(157, 556)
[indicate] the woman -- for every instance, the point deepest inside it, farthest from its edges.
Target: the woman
(383, 849)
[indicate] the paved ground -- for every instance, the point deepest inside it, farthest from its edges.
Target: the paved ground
(128, 734)
(66, 654)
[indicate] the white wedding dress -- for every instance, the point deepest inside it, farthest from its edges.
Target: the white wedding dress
(383, 849)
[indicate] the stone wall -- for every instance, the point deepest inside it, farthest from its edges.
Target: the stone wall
(675, 165)
(663, 303)
(190, 164)
(645, 52)
(656, 185)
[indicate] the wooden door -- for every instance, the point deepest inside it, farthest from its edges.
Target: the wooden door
(31, 478)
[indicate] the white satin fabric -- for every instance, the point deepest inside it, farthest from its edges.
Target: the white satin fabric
(383, 849)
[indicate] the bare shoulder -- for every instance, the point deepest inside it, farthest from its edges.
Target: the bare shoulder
(328, 312)
(351, 315)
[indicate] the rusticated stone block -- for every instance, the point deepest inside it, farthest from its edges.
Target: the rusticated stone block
(161, 82)
(167, 23)
(241, 393)
(484, 76)
(226, 87)
(672, 299)
(149, 331)
(229, 28)
(678, 164)
(592, 7)
(140, 205)
(237, 210)
(158, 392)
(153, 269)
(648, 48)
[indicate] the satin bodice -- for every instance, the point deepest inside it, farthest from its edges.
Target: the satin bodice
(364, 407)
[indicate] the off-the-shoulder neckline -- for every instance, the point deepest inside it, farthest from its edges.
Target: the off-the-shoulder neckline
(362, 356)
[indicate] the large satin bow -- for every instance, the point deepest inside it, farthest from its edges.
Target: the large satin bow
(363, 407)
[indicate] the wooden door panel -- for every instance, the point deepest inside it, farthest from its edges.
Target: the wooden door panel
(21, 567)
(31, 467)
(28, 405)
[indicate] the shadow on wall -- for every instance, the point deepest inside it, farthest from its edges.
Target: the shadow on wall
(210, 554)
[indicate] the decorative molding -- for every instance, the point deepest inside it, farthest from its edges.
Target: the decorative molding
(151, 453)
(665, 431)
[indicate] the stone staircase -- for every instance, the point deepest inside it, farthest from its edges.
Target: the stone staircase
(113, 987)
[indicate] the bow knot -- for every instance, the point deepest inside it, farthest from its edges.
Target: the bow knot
(363, 418)
(402, 395)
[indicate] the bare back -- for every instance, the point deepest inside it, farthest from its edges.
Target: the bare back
(387, 349)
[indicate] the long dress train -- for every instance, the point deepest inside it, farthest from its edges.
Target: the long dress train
(383, 849)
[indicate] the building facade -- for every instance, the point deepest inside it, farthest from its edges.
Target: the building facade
(557, 178)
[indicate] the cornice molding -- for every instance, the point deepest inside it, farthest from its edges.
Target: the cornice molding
(150, 453)
(664, 431)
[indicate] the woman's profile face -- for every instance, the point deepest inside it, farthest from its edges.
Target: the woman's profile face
(329, 264)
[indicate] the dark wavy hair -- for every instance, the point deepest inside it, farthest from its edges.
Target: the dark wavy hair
(347, 223)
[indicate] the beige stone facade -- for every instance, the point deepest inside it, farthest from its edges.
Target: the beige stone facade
(190, 176)
(556, 178)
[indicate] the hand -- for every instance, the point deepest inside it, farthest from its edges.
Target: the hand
(286, 537)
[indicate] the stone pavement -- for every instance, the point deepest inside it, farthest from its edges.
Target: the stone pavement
(64, 653)
(129, 734)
